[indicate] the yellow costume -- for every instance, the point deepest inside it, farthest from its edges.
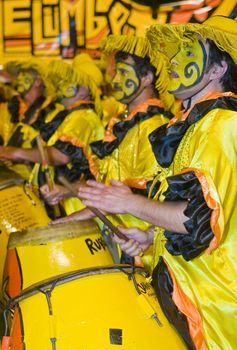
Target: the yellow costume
(80, 123)
(80, 128)
(132, 160)
(198, 269)
(20, 130)
(125, 153)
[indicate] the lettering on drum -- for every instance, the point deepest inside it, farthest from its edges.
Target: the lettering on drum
(95, 245)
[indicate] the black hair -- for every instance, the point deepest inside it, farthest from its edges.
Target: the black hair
(143, 65)
(229, 81)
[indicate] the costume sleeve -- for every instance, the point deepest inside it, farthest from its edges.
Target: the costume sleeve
(83, 126)
(73, 138)
(208, 184)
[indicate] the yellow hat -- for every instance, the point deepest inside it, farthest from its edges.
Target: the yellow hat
(12, 67)
(167, 38)
(140, 47)
(40, 66)
(86, 64)
(65, 74)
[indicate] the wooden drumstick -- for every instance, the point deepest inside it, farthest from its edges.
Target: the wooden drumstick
(96, 211)
(49, 181)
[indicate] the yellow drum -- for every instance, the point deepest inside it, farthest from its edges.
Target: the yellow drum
(37, 254)
(111, 307)
(20, 208)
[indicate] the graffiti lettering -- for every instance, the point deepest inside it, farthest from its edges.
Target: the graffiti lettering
(66, 27)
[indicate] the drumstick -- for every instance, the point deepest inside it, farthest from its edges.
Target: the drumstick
(96, 211)
(49, 181)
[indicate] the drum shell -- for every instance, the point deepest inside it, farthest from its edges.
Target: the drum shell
(100, 310)
(38, 254)
(20, 208)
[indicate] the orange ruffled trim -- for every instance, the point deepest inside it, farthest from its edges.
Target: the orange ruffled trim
(93, 168)
(109, 136)
(186, 306)
(213, 204)
(181, 115)
(136, 183)
(73, 140)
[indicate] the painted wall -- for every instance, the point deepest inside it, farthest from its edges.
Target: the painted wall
(66, 27)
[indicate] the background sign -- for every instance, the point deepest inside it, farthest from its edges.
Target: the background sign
(66, 27)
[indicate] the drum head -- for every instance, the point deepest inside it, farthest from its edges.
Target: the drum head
(9, 178)
(53, 233)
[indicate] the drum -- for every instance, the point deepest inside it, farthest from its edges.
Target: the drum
(20, 208)
(37, 254)
(111, 307)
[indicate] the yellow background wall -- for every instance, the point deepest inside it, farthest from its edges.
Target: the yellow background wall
(64, 27)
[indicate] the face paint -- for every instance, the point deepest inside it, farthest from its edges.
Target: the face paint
(67, 91)
(24, 82)
(187, 67)
(126, 82)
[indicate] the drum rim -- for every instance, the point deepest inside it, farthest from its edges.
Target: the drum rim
(51, 283)
(46, 234)
(11, 183)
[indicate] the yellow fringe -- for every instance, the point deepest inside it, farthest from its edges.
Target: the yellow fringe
(168, 38)
(41, 67)
(131, 44)
(140, 47)
(63, 74)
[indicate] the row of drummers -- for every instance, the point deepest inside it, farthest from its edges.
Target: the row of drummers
(61, 284)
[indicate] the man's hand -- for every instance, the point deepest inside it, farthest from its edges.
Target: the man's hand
(138, 242)
(55, 196)
(112, 199)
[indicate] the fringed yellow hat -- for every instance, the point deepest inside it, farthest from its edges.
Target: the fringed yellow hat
(86, 63)
(65, 74)
(167, 38)
(140, 47)
(41, 67)
(12, 67)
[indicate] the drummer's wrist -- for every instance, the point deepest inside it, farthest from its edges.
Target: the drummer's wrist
(150, 235)
(17, 154)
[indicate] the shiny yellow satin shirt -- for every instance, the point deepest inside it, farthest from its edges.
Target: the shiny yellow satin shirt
(80, 128)
(209, 281)
(133, 163)
(111, 108)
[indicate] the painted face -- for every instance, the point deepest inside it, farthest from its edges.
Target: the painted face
(24, 82)
(126, 82)
(67, 91)
(187, 67)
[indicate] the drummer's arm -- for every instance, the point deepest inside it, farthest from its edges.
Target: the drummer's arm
(84, 214)
(55, 157)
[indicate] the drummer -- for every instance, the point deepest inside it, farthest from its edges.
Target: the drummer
(125, 152)
(33, 93)
(71, 130)
(194, 211)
